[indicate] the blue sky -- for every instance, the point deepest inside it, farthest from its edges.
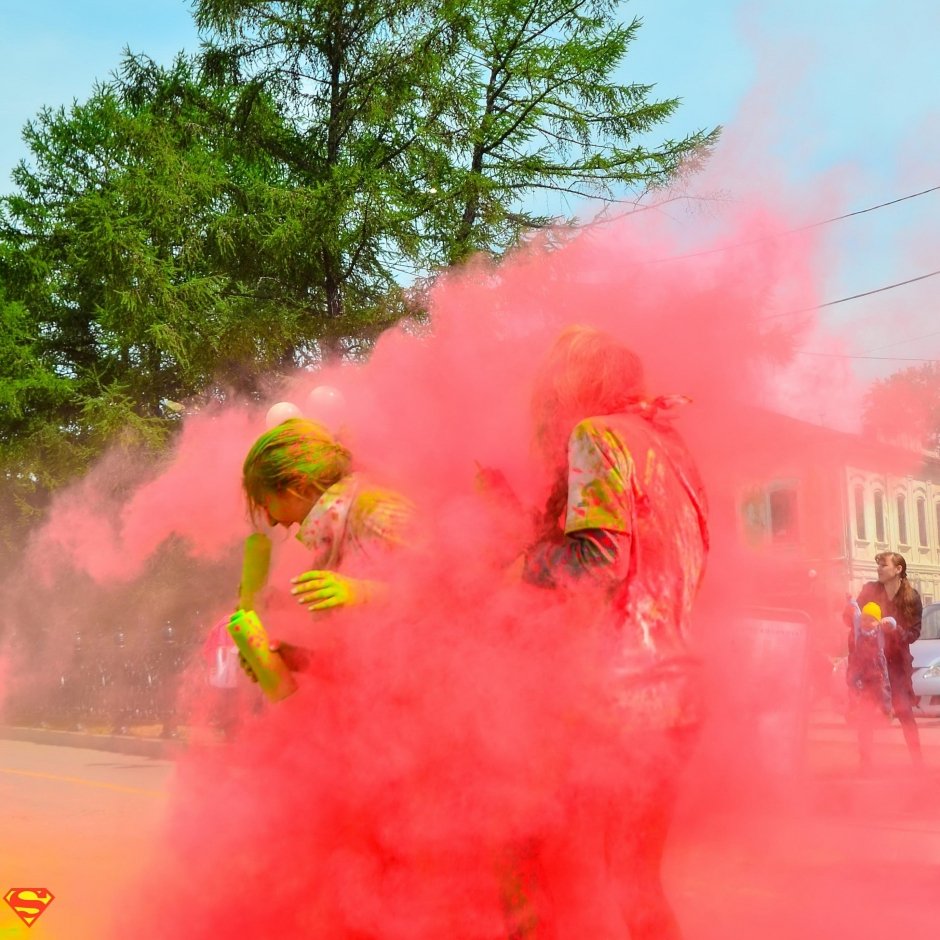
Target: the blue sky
(843, 91)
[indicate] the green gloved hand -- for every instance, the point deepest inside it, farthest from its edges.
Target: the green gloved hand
(321, 590)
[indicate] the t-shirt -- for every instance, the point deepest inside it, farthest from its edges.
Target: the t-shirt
(635, 518)
(354, 521)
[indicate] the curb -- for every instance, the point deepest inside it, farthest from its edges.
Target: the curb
(157, 748)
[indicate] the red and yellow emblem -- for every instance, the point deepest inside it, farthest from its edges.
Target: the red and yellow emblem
(29, 903)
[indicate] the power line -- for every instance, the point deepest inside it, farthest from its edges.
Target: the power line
(792, 231)
(880, 205)
(877, 290)
(808, 352)
(842, 300)
(901, 342)
(864, 355)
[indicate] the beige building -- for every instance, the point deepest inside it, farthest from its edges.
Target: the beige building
(890, 513)
(816, 505)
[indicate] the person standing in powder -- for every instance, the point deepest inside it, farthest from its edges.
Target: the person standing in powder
(297, 473)
(626, 522)
(897, 599)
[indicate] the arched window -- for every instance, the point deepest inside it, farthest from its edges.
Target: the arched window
(902, 518)
(859, 493)
(921, 522)
(880, 515)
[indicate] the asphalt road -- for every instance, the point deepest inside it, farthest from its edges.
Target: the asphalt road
(851, 857)
(79, 823)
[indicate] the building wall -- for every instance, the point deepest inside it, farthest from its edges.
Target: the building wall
(811, 526)
(823, 525)
(895, 514)
(794, 531)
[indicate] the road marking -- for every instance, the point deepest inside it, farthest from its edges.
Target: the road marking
(82, 782)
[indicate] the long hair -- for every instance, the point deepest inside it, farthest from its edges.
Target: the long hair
(906, 598)
(296, 454)
(587, 372)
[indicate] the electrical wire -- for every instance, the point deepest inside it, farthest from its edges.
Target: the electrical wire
(808, 352)
(842, 300)
(792, 231)
(901, 342)
(880, 205)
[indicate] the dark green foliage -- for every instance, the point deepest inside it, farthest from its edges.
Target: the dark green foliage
(536, 109)
(199, 229)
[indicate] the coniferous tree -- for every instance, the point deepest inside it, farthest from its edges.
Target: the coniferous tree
(202, 227)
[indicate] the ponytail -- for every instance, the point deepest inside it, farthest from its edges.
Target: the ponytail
(906, 599)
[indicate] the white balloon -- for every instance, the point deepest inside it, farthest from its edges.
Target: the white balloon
(326, 404)
(281, 412)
